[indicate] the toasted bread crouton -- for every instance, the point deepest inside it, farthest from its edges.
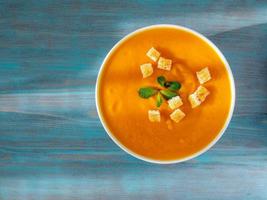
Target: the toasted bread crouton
(154, 115)
(153, 54)
(203, 75)
(146, 69)
(164, 63)
(177, 115)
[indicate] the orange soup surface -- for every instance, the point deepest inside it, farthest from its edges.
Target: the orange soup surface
(126, 114)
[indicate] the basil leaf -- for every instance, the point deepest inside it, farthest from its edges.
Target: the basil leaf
(161, 80)
(168, 94)
(147, 92)
(174, 86)
(167, 84)
(159, 100)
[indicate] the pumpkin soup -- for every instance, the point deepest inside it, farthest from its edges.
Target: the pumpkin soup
(156, 128)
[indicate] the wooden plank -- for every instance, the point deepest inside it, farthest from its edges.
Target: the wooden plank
(52, 145)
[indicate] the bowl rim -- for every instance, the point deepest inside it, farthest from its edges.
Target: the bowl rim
(227, 121)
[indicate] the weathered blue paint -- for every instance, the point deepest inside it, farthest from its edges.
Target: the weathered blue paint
(52, 145)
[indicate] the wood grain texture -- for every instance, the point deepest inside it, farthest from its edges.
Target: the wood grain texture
(52, 145)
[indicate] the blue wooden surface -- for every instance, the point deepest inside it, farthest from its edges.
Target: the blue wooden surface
(52, 145)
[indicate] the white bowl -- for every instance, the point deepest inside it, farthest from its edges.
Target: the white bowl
(225, 124)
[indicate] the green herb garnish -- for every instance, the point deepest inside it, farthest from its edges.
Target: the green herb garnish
(174, 86)
(167, 84)
(161, 80)
(159, 100)
(147, 92)
(168, 94)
